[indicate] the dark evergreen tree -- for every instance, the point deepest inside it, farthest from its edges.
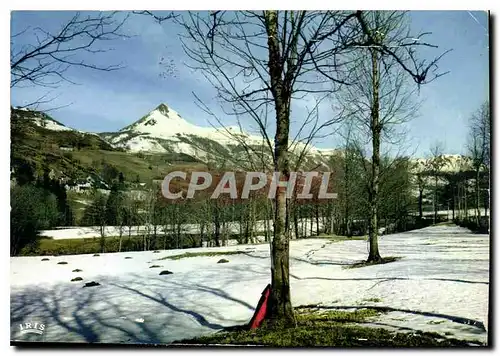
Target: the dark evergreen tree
(32, 209)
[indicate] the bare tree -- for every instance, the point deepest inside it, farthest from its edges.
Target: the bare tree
(129, 216)
(479, 147)
(421, 184)
(95, 216)
(42, 58)
(259, 62)
(380, 99)
(436, 163)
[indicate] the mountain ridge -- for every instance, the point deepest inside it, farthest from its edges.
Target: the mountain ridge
(164, 131)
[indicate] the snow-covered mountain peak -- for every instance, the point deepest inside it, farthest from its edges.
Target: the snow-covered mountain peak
(161, 121)
(163, 109)
(165, 123)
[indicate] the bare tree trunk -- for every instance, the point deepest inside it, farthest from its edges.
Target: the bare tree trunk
(311, 220)
(478, 197)
(202, 233)
(347, 196)
(252, 220)
(453, 205)
(178, 234)
(486, 202)
(280, 306)
(217, 228)
(434, 200)
(266, 223)
(296, 221)
(121, 238)
(332, 216)
(103, 238)
(465, 201)
(420, 203)
(374, 255)
(317, 218)
(224, 233)
(459, 200)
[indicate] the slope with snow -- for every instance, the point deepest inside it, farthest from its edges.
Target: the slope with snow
(448, 163)
(163, 129)
(42, 120)
(441, 280)
(165, 124)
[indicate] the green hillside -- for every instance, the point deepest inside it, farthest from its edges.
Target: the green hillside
(77, 155)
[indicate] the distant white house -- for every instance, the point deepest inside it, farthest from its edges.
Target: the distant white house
(66, 148)
(79, 187)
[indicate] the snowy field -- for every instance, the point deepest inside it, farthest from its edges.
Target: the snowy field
(440, 284)
(89, 232)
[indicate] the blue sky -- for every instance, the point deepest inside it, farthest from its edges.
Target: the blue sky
(108, 101)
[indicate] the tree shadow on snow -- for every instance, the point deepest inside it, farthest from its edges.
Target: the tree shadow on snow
(47, 307)
(99, 314)
(384, 279)
(322, 262)
(159, 298)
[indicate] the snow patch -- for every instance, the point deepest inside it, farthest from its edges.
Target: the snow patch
(444, 271)
(50, 125)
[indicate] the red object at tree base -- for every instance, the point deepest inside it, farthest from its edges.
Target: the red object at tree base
(260, 311)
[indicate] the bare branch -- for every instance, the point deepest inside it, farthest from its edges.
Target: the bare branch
(170, 16)
(45, 62)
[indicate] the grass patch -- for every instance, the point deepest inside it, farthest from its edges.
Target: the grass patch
(399, 319)
(358, 315)
(373, 300)
(383, 261)
(327, 329)
(155, 266)
(78, 246)
(131, 165)
(201, 254)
